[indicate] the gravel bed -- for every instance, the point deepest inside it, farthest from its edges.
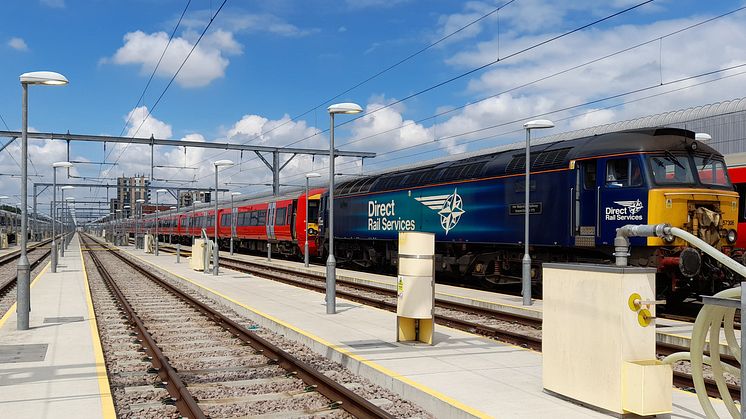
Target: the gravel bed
(224, 362)
(397, 406)
(8, 271)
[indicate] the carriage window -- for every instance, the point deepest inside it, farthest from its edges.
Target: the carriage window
(711, 172)
(280, 216)
(622, 173)
(225, 219)
(262, 219)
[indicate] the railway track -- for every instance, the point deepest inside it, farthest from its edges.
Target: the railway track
(189, 345)
(445, 313)
(9, 274)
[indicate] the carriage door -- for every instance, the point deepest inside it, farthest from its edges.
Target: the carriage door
(271, 209)
(585, 211)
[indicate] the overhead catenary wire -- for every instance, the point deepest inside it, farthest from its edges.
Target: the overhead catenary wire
(170, 82)
(471, 71)
(563, 109)
(374, 76)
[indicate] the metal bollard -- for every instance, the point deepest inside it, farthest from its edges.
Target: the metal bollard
(269, 252)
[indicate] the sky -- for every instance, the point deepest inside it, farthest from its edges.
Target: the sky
(435, 78)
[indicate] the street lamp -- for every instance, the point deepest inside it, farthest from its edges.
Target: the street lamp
(125, 233)
(215, 257)
(55, 166)
(117, 227)
(233, 218)
(70, 200)
(157, 194)
(331, 262)
(62, 220)
(1, 198)
(24, 269)
(138, 222)
(311, 175)
(526, 274)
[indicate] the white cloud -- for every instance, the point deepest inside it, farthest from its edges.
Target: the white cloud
(207, 63)
(18, 44)
(150, 126)
(237, 21)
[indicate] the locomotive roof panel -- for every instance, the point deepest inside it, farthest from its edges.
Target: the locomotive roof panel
(547, 156)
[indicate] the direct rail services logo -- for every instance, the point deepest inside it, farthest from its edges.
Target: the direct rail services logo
(629, 211)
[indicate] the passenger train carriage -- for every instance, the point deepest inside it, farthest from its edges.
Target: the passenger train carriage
(581, 191)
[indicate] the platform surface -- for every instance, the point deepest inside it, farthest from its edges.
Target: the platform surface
(67, 378)
(461, 375)
(668, 331)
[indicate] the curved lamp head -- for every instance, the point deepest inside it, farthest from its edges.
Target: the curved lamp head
(68, 187)
(701, 136)
(346, 107)
(312, 175)
(70, 198)
(140, 201)
(4, 197)
(172, 207)
(62, 164)
(48, 78)
(235, 193)
(538, 124)
(221, 163)
(119, 210)
(161, 191)
(127, 207)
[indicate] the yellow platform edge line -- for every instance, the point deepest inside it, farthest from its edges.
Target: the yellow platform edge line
(107, 402)
(453, 402)
(13, 307)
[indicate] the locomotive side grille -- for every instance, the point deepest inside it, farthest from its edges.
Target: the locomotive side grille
(552, 159)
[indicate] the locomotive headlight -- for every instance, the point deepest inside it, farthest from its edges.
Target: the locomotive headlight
(732, 236)
(311, 231)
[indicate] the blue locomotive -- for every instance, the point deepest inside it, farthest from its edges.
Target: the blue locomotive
(581, 190)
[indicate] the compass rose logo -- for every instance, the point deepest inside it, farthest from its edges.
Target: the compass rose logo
(449, 207)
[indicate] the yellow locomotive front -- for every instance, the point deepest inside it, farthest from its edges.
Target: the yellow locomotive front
(691, 190)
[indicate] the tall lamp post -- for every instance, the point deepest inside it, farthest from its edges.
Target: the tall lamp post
(158, 192)
(125, 233)
(138, 223)
(311, 175)
(70, 200)
(24, 269)
(331, 262)
(117, 227)
(2, 198)
(526, 274)
(234, 219)
(62, 219)
(215, 254)
(170, 236)
(55, 166)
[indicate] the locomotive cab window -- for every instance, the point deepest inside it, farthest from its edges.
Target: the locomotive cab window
(710, 171)
(669, 169)
(623, 173)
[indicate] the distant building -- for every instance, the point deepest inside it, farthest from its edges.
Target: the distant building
(186, 198)
(129, 190)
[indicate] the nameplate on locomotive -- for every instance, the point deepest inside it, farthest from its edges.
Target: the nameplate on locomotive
(518, 209)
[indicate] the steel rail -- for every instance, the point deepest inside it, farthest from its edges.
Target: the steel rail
(183, 398)
(7, 286)
(17, 253)
(337, 393)
(681, 379)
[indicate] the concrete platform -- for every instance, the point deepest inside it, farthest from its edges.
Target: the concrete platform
(462, 375)
(56, 368)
